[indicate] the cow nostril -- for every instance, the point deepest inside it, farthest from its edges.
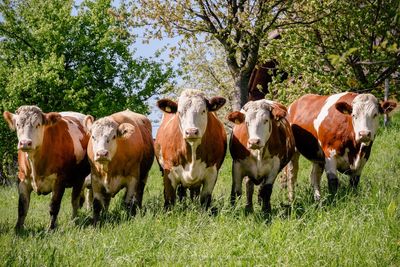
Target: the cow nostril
(192, 131)
(365, 133)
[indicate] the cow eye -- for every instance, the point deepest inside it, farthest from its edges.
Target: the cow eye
(114, 137)
(204, 111)
(376, 114)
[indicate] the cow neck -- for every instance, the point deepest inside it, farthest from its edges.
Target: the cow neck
(362, 152)
(191, 149)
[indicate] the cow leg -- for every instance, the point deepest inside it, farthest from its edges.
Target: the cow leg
(249, 195)
(292, 170)
(24, 192)
(265, 194)
(237, 180)
(331, 173)
(315, 178)
(134, 196)
(169, 192)
(99, 199)
(354, 181)
(194, 192)
(208, 187)
(181, 192)
(57, 194)
(77, 198)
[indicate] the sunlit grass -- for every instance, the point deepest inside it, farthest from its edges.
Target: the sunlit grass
(359, 228)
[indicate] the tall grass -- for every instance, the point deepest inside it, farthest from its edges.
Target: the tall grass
(360, 228)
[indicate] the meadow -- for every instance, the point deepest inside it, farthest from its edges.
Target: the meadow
(357, 228)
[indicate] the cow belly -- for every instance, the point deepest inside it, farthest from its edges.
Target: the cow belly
(44, 185)
(192, 174)
(260, 169)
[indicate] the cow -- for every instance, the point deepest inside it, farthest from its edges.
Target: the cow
(261, 144)
(190, 145)
(51, 157)
(335, 133)
(121, 153)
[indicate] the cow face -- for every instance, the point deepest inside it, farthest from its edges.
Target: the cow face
(192, 110)
(104, 134)
(258, 116)
(364, 111)
(30, 123)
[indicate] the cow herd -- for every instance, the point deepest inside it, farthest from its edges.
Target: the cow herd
(71, 150)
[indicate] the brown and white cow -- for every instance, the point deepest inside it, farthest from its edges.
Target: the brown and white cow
(190, 144)
(51, 157)
(336, 134)
(121, 153)
(261, 145)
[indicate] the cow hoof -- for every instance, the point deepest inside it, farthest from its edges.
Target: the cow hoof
(248, 210)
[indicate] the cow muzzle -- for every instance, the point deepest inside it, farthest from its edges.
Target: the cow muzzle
(192, 134)
(102, 156)
(254, 143)
(25, 145)
(365, 137)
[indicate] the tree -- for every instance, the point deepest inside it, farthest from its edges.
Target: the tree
(355, 48)
(240, 27)
(65, 57)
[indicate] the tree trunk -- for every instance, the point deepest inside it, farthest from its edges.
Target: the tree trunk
(241, 90)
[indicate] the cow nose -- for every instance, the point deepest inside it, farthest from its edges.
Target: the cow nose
(254, 143)
(25, 144)
(192, 132)
(365, 135)
(102, 153)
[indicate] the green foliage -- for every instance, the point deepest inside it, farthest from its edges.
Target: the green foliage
(355, 47)
(359, 228)
(64, 57)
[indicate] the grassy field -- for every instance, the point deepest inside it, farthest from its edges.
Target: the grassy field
(359, 228)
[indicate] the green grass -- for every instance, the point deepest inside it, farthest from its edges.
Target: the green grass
(359, 228)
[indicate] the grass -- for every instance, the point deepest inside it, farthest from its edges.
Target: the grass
(359, 228)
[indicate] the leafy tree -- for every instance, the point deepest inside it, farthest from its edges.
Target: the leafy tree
(65, 57)
(355, 48)
(240, 27)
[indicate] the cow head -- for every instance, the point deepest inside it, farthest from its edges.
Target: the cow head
(104, 134)
(192, 109)
(30, 123)
(258, 116)
(364, 111)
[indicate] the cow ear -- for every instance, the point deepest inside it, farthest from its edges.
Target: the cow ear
(125, 130)
(387, 106)
(167, 105)
(215, 103)
(278, 113)
(88, 122)
(344, 108)
(236, 117)
(51, 118)
(9, 118)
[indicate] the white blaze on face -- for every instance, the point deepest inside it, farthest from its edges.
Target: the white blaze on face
(192, 112)
(103, 135)
(365, 117)
(258, 121)
(28, 122)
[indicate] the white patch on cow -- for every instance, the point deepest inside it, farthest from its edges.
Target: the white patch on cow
(76, 136)
(43, 185)
(192, 174)
(113, 184)
(330, 101)
(259, 167)
(192, 113)
(73, 114)
(365, 117)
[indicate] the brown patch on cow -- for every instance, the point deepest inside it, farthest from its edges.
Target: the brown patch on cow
(172, 148)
